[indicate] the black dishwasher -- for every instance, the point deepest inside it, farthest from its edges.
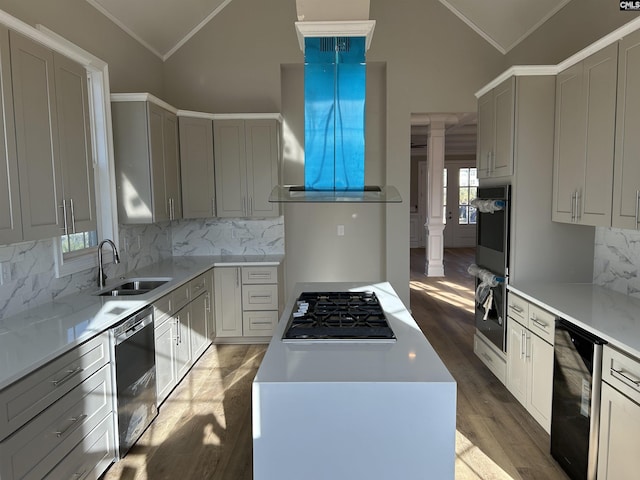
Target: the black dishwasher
(577, 371)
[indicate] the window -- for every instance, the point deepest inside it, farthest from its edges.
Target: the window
(75, 242)
(467, 191)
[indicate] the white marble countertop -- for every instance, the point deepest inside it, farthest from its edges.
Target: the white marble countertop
(36, 336)
(411, 358)
(607, 314)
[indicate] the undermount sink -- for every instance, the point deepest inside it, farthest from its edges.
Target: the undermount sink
(134, 286)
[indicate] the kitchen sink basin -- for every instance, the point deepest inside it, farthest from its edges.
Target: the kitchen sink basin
(134, 286)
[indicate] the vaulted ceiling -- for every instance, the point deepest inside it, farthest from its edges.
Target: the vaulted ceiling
(163, 26)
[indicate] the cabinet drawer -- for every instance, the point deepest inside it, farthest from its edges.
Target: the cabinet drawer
(496, 362)
(91, 457)
(542, 323)
(162, 310)
(26, 398)
(198, 285)
(180, 297)
(517, 307)
(260, 297)
(41, 444)
(257, 275)
(621, 372)
(259, 324)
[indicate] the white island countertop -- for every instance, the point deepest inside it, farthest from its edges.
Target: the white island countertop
(36, 336)
(610, 315)
(370, 410)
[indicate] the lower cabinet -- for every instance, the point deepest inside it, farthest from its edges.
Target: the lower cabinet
(530, 358)
(491, 356)
(618, 453)
(248, 301)
(61, 422)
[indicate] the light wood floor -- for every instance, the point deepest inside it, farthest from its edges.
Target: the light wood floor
(203, 430)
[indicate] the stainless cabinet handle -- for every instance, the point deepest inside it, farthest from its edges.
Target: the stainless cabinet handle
(578, 198)
(259, 296)
(516, 308)
(70, 374)
(74, 421)
(527, 345)
(79, 475)
(539, 323)
(637, 206)
(487, 357)
(73, 216)
(625, 376)
(573, 204)
(65, 227)
(237, 277)
(522, 345)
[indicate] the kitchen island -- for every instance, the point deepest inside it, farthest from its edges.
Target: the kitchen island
(354, 410)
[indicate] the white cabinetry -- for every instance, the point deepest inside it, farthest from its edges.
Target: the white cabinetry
(145, 140)
(59, 419)
(247, 162)
(493, 358)
(618, 455)
(197, 167)
(530, 333)
(52, 141)
(626, 186)
(495, 131)
(584, 141)
(248, 301)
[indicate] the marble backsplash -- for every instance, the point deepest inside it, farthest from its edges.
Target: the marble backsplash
(29, 267)
(616, 263)
(229, 236)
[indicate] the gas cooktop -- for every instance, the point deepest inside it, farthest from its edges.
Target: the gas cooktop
(338, 316)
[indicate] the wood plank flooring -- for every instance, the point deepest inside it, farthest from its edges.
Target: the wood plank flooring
(203, 430)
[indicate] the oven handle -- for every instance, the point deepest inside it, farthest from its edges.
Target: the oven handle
(135, 328)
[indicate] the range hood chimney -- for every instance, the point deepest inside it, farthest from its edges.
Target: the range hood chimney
(334, 36)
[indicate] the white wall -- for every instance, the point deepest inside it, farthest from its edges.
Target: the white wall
(132, 68)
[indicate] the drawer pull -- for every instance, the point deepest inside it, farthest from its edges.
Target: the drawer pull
(74, 421)
(539, 323)
(260, 296)
(199, 287)
(70, 374)
(625, 376)
(487, 357)
(516, 308)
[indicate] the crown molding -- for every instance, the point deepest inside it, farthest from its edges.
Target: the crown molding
(142, 97)
(231, 116)
(357, 28)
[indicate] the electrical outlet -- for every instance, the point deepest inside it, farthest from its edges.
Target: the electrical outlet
(341, 230)
(5, 273)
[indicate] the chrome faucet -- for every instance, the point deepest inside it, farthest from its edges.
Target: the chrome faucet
(116, 259)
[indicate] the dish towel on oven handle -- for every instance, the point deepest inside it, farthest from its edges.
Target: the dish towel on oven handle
(487, 206)
(488, 280)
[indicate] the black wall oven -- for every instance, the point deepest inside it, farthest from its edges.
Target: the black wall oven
(492, 254)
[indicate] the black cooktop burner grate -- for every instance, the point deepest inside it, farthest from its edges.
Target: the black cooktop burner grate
(338, 316)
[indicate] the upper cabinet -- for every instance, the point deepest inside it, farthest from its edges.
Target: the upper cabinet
(247, 158)
(197, 167)
(145, 138)
(10, 216)
(52, 141)
(584, 140)
(496, 110)
(626, 185)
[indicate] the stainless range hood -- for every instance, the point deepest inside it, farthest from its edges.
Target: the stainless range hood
(334, 38)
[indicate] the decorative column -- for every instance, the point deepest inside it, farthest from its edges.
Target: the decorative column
(434, 228)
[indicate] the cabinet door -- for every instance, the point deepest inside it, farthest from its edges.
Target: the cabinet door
(626, 186)
(504, 111)
(540, 381)
(569, 143)
(165, 342)
(485, 133)
(160, 199)
(619, 426)
(231, 168)
(183, 345)
(600, 74)
(197, 169)
(198, 331)
(76, 159)
(517, 360)
(171, 155)
(262, 166)
(10, 220)
(228, 305)
(36, 125)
